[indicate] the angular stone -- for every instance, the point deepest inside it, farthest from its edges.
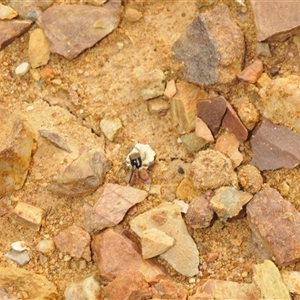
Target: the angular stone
(88, 288)
(252, 72)
(263, 49)
(157, 106)
(116, 254)
(127, 286)
(155, 242)
(228, 144)
(167, 217)
(10, 30)
(111, 127)
(20, 257)
(186, 189)
(192, 142)
(267, 14)
(212, 169)
(250, 178)
(38, 48)
(221, 289)
(16, 145)
(74, 241)
(212, 48)
(36, 286)
(280, 101)
(292, 280)
(28, 215)
(199, 214)
(278, 229)
(73, 28)
(170, 90)
(202, 131)
(83, 176)
(201, 296)
(248, 114)
(169, 290)
(228, 202)
(212, 111)
(152, 84)
(7, 13)
(232, 122)
(112, 206)
(274, 146)
(268, 279)
(55, 139)
(183, 105)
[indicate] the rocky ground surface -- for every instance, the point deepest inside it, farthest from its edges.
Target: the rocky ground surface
(203, 94)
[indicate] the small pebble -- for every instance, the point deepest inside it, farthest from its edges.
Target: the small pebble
(22, 69)
(274, 71)
(46, 247)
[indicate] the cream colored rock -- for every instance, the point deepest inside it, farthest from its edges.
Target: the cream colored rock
(155, 242)
(37, 287)
(22, 68)
(184, 255)
(7, 13)
(38, 48)
(267, 278)
(170, 90)
(292, 280)
(46, 247)
(132, 15)
(202, 131)
(111, 127)
(28, 215)
(157, 106)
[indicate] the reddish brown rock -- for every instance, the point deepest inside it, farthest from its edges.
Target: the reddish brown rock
(275, 221)
(10, 30)
(199, 214)
(212, 111)
(74, 241)
(252, 72)
(116, 254)
(276, 20)
(274, 146)
(128, 286)
(212, 48)
(73, 28)
(166, 289)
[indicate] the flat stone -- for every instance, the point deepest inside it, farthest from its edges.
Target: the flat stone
(202, 131)
(170, 89)
(127, 286)
(263, 49)
(155, 242)
(167, 218)
(183, 105)
(36, 286)
(212, 48)
(292, 280)
(228, 144)
(16, 146)
(88, 288)
(55, 139)
(274, 146)
(232, 122)
(22, 68)
(221, 289)
(268, 279)
(252, 72)
(228, 202)
(170, 290)
(75, 241)
(212, 111)
(112, 206)
(152, 84)
(38, 48)
(267, 16)
(116, 254)
(192, 142)
(28, 215)
(73, 28)
(199, 214)
(7, 13)
(201, 296)
(111, 127)
(10, 30)
(278, 229)
(158, 106)
(20, 257)
(250, 178)
(83, 176)
(212, 169)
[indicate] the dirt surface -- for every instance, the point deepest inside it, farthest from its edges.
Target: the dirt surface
(104, 77)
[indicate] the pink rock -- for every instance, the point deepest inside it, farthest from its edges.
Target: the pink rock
(128, 286)
(202, 130)
(73, 28)
(12, 29)
(274, 221)
(276, 20)
(112, 206)
(74, 241)
(252, 72)
(166, 289)
(212, 256)
(116, 254)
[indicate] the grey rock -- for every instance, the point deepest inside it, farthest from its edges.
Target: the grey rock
(212, 48)
(20, 257)
(73, 28)
(274, 146)
(55, 139)
(263, 49)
